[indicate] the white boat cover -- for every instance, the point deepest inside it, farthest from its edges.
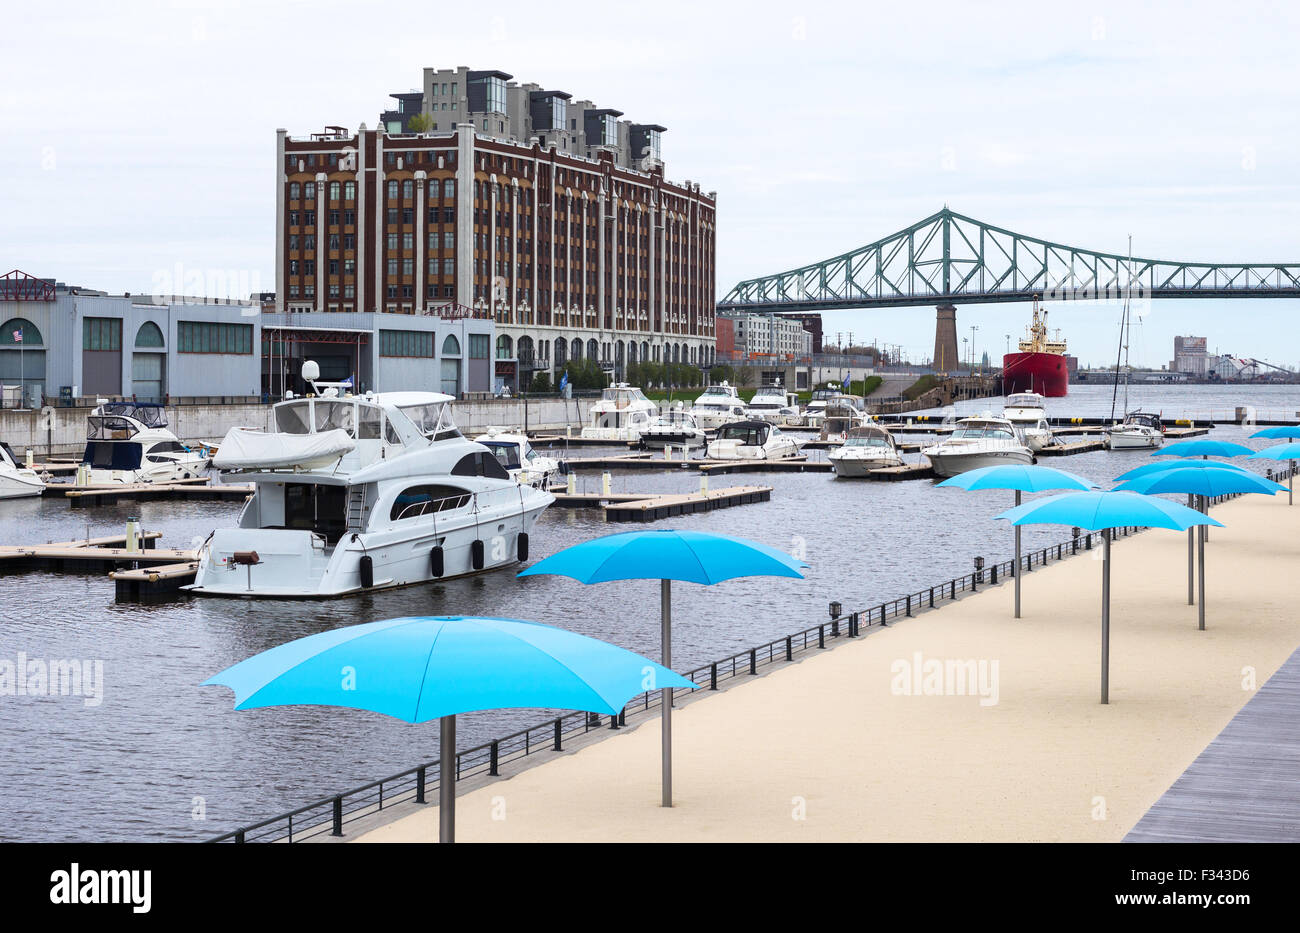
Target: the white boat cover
(250, 449)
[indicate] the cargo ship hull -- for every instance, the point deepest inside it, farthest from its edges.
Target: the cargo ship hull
(1044, 373)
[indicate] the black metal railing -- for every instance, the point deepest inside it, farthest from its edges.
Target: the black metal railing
(329, 815)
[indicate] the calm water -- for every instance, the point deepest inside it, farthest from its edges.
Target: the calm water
(133, 767)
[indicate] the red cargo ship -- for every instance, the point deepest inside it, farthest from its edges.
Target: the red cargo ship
(1040, 365)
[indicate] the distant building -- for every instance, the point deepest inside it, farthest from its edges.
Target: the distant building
(1190, 356)
(724, 330)
(812, 322)
(759, 334)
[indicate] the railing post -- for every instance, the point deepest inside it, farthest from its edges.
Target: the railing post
(994, 573)
(753, 660)
(909, 607)
(713, 676)
(789, 649)
(420, 779)
(613, 722)
(931, 597)
(821, 636)
(883, 623)
(239, 837)
(493, 759)
(338, 817)
(558, 746)
(622, 715)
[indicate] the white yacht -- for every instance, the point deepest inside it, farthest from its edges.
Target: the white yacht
(751, 440)
(129, 442)
(976, 442)
(16, 480)
(675, 428)
(1138, 431)
(774, 405)
(870, 447)
(621, 414)
(354, 494)
(841, 414)
(719, 405)
(525, 465)
(815, 412)
(1026, 413)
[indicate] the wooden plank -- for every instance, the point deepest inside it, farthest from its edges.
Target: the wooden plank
(1245, 785)
(657, 507)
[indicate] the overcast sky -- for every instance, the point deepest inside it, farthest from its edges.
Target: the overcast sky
(139, 137)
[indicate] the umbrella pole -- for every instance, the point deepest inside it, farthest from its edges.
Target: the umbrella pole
(1191, 554)
(666, 695)
(1200, 579)
(1017, 570)
(1105, 615)
(447, 779)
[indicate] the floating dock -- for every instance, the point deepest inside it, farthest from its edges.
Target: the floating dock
(906, 471)
(785, 465)
(654, 508)
(143, 583)
(93, 554)
(1074, 447)
(81, 497)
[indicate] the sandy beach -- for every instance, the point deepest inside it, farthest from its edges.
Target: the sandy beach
(840, 747)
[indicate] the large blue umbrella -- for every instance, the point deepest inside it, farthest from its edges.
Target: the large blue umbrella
(1281, 452)
(1203, 484)
(423, 668)
(1147, 469)
(1280, 432)
(1203, 447)
(1102, 511)
(1022, 478)
(666, 555)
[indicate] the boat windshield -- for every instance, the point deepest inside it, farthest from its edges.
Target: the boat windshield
(623, 396)
(1024, 401)
(359, 420)
(506, 452)
(293, 417)
(875, 440)
(749, 435)
(433, 420)
(764, 406)
(983, 432)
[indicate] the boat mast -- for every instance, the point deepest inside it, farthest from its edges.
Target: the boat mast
(1120, 349)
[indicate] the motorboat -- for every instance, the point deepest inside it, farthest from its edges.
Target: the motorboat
(513, 451)
(16, 481)
(984, 440)
(816, 408)
(363, 493)
(841, 414)
(1026, 412)
(866, 448)
(129, 442)
(774, 405)
(751, 440)
(720, 404)
(1138, 431)
(674, 428)
(621, 414)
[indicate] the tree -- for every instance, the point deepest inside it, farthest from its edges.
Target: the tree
(722, 373)
(745, 376)
(541, 383)
(420, 123)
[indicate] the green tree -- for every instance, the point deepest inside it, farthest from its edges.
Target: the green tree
(420, 123)
(541, 383)
(722, 373)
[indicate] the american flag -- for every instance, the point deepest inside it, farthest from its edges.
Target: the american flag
(18, 335)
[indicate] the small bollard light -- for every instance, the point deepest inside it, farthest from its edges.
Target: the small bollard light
(836, 610)
(1074, 535)
(979, 573)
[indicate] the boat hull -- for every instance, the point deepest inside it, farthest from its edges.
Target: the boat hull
(950, 464)
(20, 485)
(1133, 440)
(1044, 373)
(853, 467)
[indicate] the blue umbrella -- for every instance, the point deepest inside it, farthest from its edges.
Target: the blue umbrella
(1281, 452)
(1102, 511)
(1147, 469)
(1203, 447)
(666, 555)
(1204, 484)
(1021, 478)
(1281, 432)
(423, 668)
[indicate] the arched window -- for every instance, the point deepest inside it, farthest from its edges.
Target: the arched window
(414, 501)
(149, 337)
(20, 332)
(505, 348)
(593, 350)
(451, 346)
(575, 349)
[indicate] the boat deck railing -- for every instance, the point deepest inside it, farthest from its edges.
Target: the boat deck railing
(329, 816)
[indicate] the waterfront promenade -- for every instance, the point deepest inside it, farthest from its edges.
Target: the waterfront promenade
(828, 748)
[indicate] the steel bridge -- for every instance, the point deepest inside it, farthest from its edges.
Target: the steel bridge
(948, 258)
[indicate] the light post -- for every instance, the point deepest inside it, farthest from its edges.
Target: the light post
(973, 328)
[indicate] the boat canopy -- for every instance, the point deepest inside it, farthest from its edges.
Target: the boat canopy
(246, 449)
(149, 414)
(748, 433)
(1144, 418)
(871, 435)
(623, 395)
(1025, 400)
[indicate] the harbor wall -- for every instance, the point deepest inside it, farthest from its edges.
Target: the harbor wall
(62, 431)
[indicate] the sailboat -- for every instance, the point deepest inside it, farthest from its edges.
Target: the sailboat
(1139, 430)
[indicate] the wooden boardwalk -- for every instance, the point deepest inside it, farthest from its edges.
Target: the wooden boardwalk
(1245, 785)
(654, 508)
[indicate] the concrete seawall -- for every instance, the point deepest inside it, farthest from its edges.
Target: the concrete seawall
(63, 432)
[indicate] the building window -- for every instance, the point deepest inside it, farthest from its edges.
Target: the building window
(334, 241)
(308, 218)
(211, 337)
(294, 191)
(392, 187)
(392, 241)
(334, 267)
(479, 346)
(293, 218)
(448, 266)
(334, 192)
(408, 267)
(101, 333)
(349, 191)
(349, 241)
(449, 240)
(408, 241)
(407, 190)
(392, 267)
(349, 267)
(405, 343)
(408, 215)
(309, 191)
(349, 218)
(448, 189)
(349, 291)
(334, 218)
(392, 216)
